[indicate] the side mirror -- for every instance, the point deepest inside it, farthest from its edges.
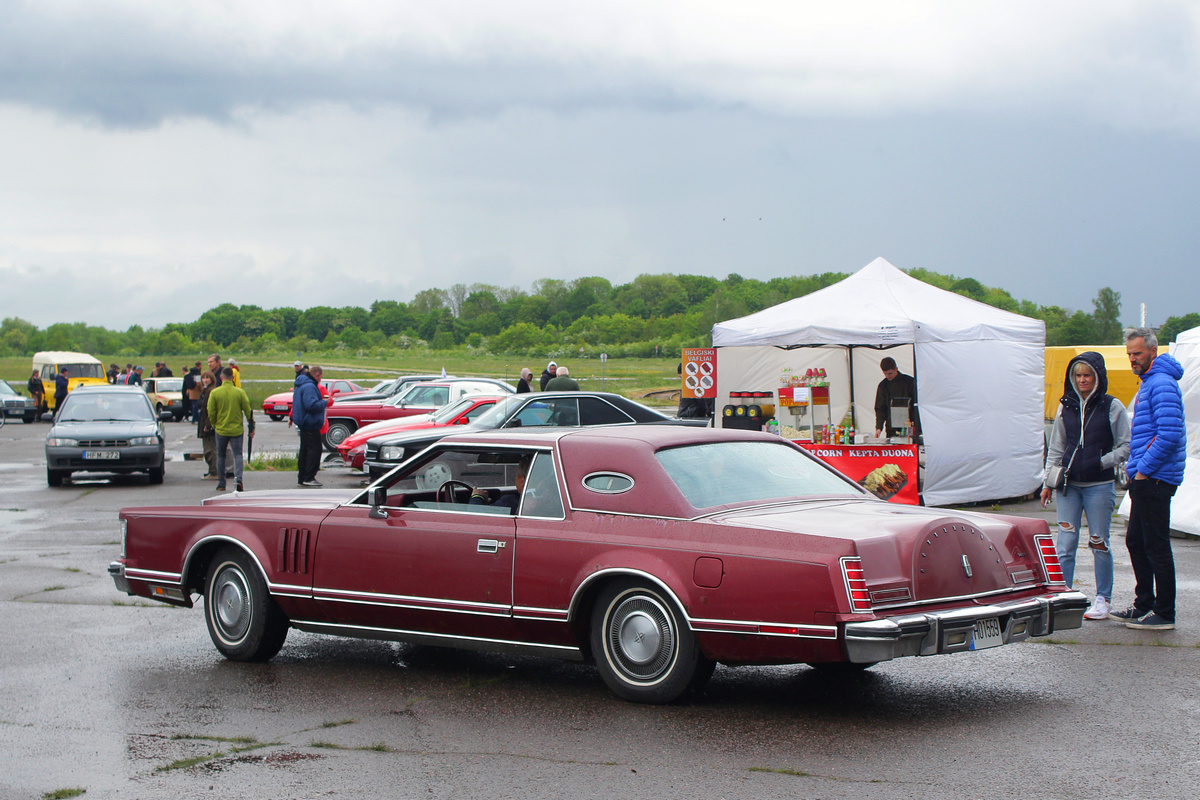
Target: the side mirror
(376, 497)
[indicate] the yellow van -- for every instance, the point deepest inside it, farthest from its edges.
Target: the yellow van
(81, 369)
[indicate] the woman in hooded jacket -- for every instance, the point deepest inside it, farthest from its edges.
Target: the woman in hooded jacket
(1089, 439)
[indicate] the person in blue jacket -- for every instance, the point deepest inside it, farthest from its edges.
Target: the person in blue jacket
(1157, 456)
(308, 414)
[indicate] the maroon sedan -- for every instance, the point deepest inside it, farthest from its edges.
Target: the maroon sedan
(651, 551)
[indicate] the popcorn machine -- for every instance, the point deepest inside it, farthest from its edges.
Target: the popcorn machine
(807, 399)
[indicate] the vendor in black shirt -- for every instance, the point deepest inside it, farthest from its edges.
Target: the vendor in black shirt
(895, 385)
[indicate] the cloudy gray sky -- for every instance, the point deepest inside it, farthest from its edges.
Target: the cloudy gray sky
(161, 158)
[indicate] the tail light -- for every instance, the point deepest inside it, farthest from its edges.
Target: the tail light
(1049, 557)
(856, 584)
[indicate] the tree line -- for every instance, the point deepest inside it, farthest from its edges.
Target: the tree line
(651, 315)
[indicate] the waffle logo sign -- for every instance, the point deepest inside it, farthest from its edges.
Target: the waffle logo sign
(699, 372)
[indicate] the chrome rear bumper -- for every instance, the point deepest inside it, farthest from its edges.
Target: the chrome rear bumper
(933, 632)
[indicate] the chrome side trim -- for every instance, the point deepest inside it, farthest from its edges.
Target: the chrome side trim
(802, 630)
(934, 632)
(570, 653)
(540, 614)
(412, 602)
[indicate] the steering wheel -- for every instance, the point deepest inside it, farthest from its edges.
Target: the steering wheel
(447, 489)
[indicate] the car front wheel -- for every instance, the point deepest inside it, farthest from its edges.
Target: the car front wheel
(54, 477)
(339, 429)
(275, 417)
(244, 622)
(643, 647)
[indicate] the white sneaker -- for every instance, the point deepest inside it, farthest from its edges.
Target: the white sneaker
(1099, 609)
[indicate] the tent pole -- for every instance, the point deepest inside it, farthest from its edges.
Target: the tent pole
(853, 417)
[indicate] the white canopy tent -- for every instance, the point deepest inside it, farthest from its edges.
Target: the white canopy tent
(979, 372)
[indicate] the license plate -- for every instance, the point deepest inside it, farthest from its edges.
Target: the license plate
(986, 633)
(280, 407)
(101, 454)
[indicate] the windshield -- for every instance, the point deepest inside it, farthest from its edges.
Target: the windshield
(6, 389)
(168, 384)
(740, 472)
(105, 407)
(494, 417)
(422, 394)
(447, 413)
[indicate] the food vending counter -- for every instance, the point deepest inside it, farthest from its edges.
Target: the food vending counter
(888, 471)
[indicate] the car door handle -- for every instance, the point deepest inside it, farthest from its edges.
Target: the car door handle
(488, 546)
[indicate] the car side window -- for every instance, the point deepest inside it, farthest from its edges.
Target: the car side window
(541, 497)
(594, 411)
(477, 411)
(534, 413)
(563, 411)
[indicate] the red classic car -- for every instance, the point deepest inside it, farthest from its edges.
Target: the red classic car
(353, 449)
(651, 551)
(279, 406)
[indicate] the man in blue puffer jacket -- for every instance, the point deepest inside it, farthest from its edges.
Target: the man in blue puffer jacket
(1157, 455)
(308, 413)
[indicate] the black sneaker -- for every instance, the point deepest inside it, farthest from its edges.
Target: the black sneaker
(1151, 622)
(1127, 615)
(313, 483)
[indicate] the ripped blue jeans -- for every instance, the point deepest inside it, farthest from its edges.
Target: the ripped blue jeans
(1097, 502)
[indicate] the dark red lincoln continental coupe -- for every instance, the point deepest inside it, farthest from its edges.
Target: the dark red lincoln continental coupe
(652, 551)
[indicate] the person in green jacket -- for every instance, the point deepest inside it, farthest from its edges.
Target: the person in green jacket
(227, 404)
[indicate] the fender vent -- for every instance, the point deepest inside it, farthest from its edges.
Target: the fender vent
(293, 550)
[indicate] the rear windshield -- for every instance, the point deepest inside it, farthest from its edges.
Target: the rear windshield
(722, 473)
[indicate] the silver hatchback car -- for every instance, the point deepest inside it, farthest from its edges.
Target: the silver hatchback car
(105, 429)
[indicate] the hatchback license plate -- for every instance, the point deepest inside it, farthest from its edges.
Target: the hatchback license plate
(986, 633)
(101, 454)
(280, 407)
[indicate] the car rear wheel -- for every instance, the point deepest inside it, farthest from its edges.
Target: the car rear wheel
(244, 622)
(339, 429)
(643, 647)
(54, 477)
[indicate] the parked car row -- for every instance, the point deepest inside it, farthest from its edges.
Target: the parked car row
(534, 410)
(279, 406)
(345, 416)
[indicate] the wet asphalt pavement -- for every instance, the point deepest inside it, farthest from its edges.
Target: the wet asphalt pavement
(128, 699)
